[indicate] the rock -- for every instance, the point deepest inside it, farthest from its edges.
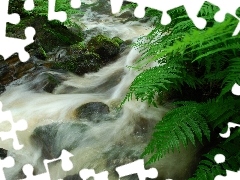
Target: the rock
(126, 14)
(93, 111)
(2, 89)
(45, 81)
(104, 46)
(102, 7)
(39, 53)
(49, 34)
(4, 70)
(52, 138)
(12, 69)
(77, 59)
(3, 153)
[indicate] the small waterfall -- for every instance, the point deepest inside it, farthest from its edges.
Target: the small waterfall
(103, 141)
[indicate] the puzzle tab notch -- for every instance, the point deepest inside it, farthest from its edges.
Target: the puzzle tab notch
(20, 125)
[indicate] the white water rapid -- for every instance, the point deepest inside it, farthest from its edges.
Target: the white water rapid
(117, 139)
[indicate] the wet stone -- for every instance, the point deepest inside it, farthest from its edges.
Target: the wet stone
(93, 111)
(52, 138)
(2, 89)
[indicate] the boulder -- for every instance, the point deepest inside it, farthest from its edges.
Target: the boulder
(77, 59)
(49, 34)
(93, 111)
(106, 48)
(52, 138)
(45, 81)
(12, 69)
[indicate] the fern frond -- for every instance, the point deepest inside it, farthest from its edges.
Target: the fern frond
(180, 126)
(232, 76)
(154, 80)
(222, 111)
(208, 169)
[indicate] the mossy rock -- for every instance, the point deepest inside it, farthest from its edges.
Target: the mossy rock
(17, 7)
(80, 64)
(49, 34)
(118, 40)
(104, 46)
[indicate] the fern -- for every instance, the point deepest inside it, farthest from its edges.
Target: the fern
(203, 61)
(147, 84)
(179, 126)
(228, 107)
(209, 169)
(232, 76)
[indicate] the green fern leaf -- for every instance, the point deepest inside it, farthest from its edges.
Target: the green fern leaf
(180, 126)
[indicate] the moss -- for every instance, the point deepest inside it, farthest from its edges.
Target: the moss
(78, 48)
(49, 34)
(118, 40)
(69, 65)
(80, 63)
(104, 46)
(100, 40)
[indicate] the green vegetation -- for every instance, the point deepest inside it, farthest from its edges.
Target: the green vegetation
(41, 8)
(197, 68)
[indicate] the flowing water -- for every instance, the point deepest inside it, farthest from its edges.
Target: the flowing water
(107, 141)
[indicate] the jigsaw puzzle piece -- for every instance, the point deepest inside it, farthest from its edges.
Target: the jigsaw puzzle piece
(5, 17)
(137, 167)
(230, 175)
(192, 8)
(139, 12)
(14, 45)
(225, 8)
(5, 163)
(29, 5)
(9, 45)
(236, 87)
(87, 173)
(21, 125)
(61, 15)
(65, 162)
(230, 125)
(75, 4)
(28, 171)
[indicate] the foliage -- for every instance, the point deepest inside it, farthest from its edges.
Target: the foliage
(208, 169)
(204, 63)
(41, 8)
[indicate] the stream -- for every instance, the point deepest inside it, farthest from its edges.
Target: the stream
(103, 140)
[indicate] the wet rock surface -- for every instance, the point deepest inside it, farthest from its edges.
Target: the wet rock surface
(40, 80)
(52, 138)
(93, 111)
(12, 69)
(76, 59)
(106, 48)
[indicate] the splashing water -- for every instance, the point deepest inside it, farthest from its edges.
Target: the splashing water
(117, 138)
